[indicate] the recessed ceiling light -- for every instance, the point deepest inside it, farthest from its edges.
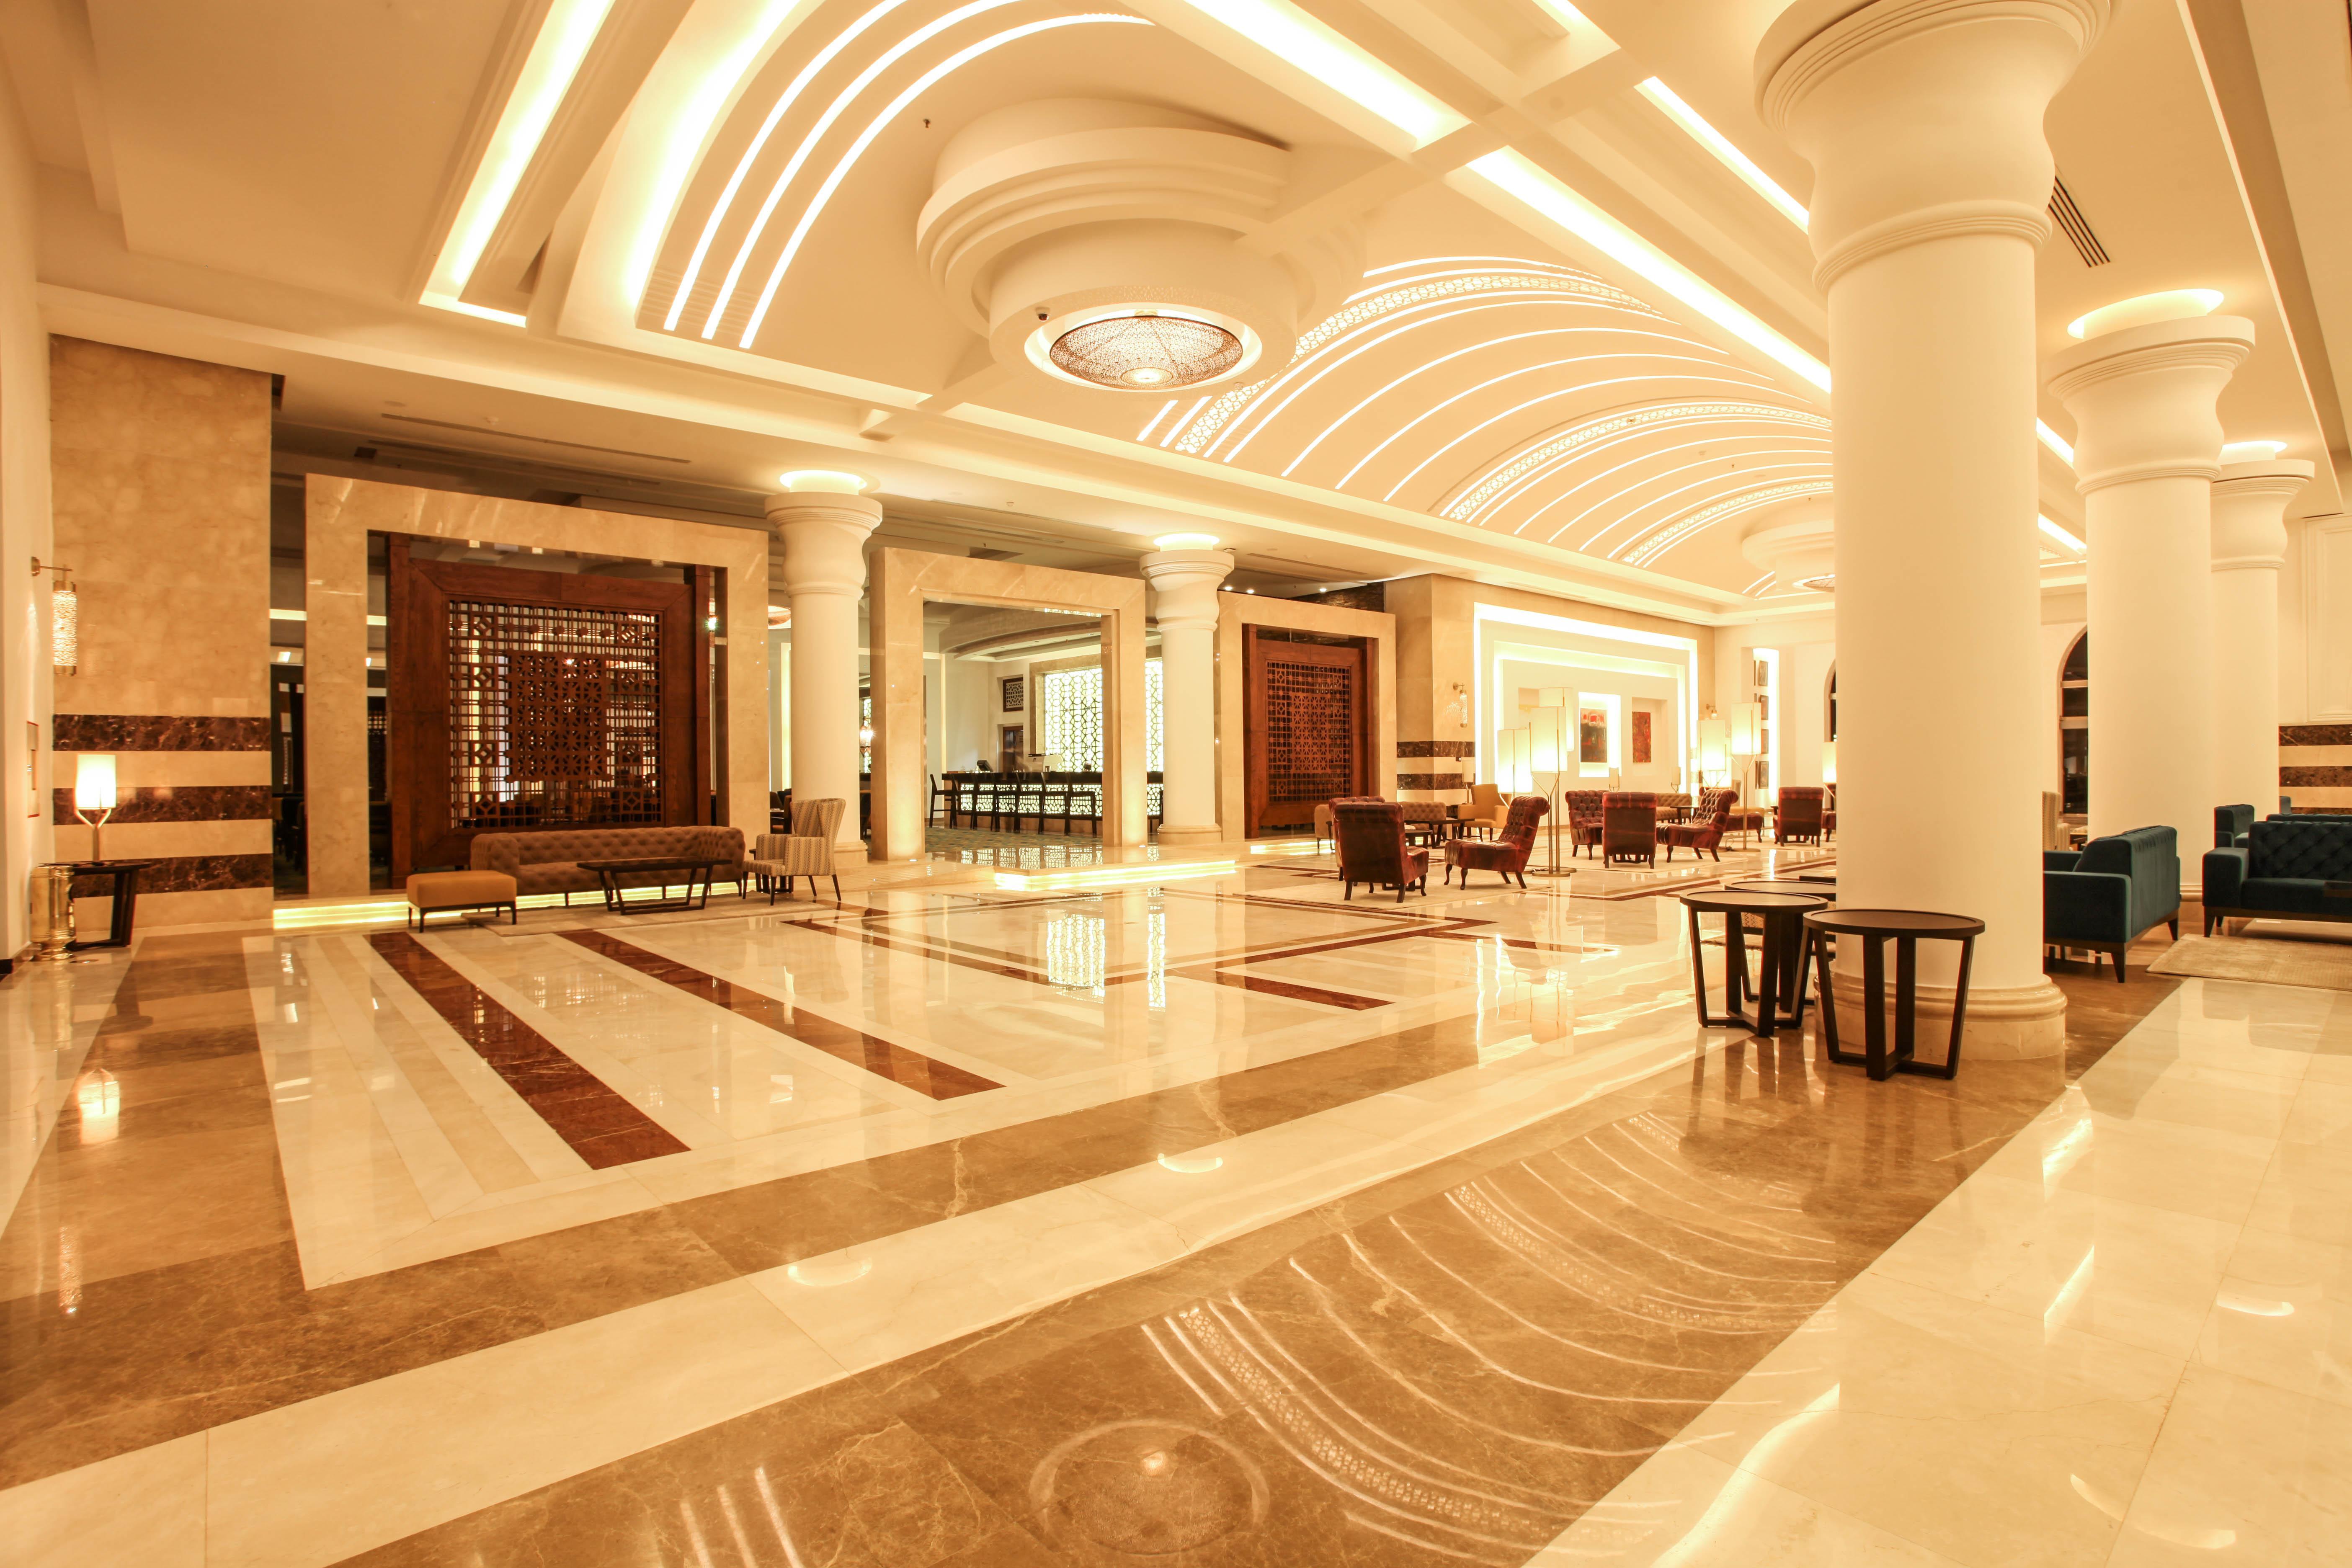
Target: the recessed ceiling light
(822, 481)
(2252, 451)
(2144, 309)
(1185, 542)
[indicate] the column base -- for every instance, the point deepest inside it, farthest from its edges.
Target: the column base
(1170, 836)
(2010, 1024)
(848, 856)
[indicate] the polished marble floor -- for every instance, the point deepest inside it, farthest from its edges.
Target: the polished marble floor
(1210, 1220)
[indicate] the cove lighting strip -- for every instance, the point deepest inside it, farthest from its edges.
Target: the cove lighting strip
(1512, 174)
(1694, 126)
(1283, 29)
(2056, 442)
(1112, 876)
(2062, 537)
(554, 60)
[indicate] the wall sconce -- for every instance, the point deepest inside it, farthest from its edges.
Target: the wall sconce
(865, 737)
(65, 619)
(94, 790)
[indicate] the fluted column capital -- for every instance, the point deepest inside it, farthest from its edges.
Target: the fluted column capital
(1184, 586)
(1922, 119)
(824, 535)
(2145, 398)
(2250, 512)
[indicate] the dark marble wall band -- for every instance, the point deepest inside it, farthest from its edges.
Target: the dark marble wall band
(175, 803)
(2316, 778)
(159, 732)
(2316, 734)
(1463, 749)
(188, 874)
(1431, 781)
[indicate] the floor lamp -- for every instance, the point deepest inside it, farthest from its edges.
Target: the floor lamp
(1548, 743)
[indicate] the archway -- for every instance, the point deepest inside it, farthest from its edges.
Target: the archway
(2075, 728)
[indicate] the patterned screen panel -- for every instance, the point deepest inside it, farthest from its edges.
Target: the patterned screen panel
(554, 715)
(1071, 730)
(1310, 731)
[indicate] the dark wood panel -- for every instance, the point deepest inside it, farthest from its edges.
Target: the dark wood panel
(1279, 677)
(426, 828)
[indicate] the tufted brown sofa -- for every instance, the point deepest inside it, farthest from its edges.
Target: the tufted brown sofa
(550, 862)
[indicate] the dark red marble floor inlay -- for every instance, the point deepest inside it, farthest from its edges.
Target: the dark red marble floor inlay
(899, 1065)
(602, 1127)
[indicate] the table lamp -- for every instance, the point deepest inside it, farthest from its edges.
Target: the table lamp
(94, 790)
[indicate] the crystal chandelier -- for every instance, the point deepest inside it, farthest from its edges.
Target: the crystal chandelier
(1146, 352)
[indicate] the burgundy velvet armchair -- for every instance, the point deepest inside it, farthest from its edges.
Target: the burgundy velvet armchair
(1629, 827)
(1507, 854)
(1704, 831)
(1372, 847)
(1801, 815)
(1584, 817)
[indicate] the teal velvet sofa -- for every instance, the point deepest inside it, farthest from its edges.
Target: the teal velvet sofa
(2282, 872)
(2104, 895)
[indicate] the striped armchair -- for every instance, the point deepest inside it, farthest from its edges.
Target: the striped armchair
(805, 851)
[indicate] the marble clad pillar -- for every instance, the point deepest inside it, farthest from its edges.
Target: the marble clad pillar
(1922, 120)
(824, 535)
(2148, 446)
(1185, 604)
(2249, 548)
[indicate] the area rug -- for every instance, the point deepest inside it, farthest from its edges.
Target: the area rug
(2274, 952)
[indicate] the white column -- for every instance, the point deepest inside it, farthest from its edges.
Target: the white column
(1922, 120)
(1184, 604)
(2249, 549)
(823, 536)
(2148, 446)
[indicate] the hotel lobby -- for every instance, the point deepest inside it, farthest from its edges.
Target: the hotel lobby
(1239, 783)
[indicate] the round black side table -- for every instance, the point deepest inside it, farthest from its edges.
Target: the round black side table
(1820, 889)
(1784, 939)
(1906, 929)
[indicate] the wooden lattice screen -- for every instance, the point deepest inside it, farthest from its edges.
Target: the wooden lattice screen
(525, 699)
(1306, 726)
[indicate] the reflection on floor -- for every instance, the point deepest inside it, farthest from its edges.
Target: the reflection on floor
(1218, 1222)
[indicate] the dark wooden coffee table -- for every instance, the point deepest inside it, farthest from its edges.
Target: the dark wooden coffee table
(609, 872)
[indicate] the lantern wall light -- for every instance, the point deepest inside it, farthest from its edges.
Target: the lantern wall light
(65, 617)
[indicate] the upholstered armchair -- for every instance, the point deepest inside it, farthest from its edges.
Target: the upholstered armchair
(1325, 824)
(1629, 827)
(1800, 818)
(2103, 895)
(2230, 822)
(805, 851)
(1584, 817)
(1372, 847)
(1703, 832)
(1484, 809)
(1742, 819)
(1508, 853)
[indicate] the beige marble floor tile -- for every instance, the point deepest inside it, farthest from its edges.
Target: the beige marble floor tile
(2160, 1165)
(2306, 1192)
(2244, 1473)
(1690, 1510)
(313, 1483)
(1959, 1427)
(2194, 1094)
(144, 1508)
(2282, 1315)
(2076, 1260)
(873, 1303)
(2321, 1113)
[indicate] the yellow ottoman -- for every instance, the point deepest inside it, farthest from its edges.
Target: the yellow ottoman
(433, 891)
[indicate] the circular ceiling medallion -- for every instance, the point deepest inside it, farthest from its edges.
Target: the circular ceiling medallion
(1146, 352)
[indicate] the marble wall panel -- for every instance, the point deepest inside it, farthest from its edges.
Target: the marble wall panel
(161, 474)
(167, 803)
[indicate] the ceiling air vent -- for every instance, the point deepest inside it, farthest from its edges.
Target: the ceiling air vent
(2069, 218)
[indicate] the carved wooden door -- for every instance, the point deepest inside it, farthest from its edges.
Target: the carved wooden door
(1304, 711)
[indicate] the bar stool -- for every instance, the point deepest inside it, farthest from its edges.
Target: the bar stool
(1906, 929)
(941, 794)
(1780, 913)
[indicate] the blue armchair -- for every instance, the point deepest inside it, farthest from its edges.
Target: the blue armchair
(2104, 895)
(2281, 873)
(2229, 821)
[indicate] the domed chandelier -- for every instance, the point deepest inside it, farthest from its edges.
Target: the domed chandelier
(1146, 352)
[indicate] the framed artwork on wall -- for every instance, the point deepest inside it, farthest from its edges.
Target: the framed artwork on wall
(1014, 692)
(1640, 735)
(1592, 735)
